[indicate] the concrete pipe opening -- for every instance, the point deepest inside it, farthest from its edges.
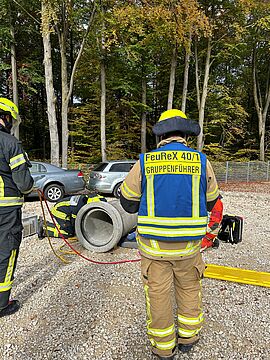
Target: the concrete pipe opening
(100, 226)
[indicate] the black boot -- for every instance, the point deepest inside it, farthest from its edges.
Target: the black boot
(185, 348)
(11, 308)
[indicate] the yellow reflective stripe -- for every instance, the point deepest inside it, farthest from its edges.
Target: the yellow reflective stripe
(55, 231)
(94, 199)
(10, 201)
(10, 267)
(16, 161)
(2, 187)
(161, 332)
(180, 252)
(213, 194)
(168, 345)
(58, 214)
(128, 193)
(74, 216)
(170, 232)
(5, 286)
(195, 196)
(154, 244)
(188, 333)
(173, 221)
(150, 195)
(148, 309)
(190, 321)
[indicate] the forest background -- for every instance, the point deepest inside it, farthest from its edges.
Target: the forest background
(92, 77)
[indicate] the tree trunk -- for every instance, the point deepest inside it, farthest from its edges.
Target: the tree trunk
(200, 138)
(51, 99)
(143, 127)
(65, 99)
(103, 109)
(172, 78)
(16, 124)
(261, 109)
(185, 84)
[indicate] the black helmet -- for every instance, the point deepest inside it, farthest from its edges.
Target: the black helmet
(175, 120)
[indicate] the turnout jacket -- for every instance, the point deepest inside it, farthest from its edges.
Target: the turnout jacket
(15, 177)
(68, 208)
(172, 188)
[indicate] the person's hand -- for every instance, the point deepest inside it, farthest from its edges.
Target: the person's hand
(206, 243)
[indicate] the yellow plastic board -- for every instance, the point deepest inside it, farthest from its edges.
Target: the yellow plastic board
(237, 275)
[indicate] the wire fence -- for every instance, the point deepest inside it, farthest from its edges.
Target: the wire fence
(250, 171)
(227, 171)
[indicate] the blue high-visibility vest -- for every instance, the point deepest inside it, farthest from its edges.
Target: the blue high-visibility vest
(173, 202)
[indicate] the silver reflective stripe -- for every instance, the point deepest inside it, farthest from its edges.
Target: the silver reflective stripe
(171, 232)
(190, 321)
(11, 201)
(161, 332)
(173, 221)
(150, 195)
(195, 196)
(16, 161)
(188, 333)
(160, 252)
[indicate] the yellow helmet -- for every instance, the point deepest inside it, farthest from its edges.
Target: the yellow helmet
(175, 120)
(9, 106)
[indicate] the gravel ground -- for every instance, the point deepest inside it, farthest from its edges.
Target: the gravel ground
(86, 311)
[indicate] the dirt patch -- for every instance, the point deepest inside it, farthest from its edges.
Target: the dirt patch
(257, 187)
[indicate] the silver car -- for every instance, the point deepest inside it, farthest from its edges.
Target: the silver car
(54, 181)
(108, 176)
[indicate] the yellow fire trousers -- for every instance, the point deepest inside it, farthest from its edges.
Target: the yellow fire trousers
(159, 278)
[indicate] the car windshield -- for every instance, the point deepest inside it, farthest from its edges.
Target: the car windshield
(100, 167)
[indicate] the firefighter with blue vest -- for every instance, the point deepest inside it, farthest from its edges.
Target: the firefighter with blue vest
(175, 193)
(15, 181)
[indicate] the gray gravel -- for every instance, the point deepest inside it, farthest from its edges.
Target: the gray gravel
(86, 311)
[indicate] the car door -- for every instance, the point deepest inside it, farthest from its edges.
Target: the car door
(38, 172)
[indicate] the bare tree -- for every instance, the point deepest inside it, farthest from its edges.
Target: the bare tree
(202, 94)
(172, 78)
(67, 88)
(143, 126)
(261, 105)
(51, 98)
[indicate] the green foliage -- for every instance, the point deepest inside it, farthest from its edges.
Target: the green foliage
(135, 39)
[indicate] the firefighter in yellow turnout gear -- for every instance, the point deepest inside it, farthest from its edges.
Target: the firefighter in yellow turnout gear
(15, 181)
(65, 212)
(172, 188)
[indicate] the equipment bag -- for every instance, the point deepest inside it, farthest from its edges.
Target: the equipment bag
(231, 229)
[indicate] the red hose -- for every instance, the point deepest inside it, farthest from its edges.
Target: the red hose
(42, 197)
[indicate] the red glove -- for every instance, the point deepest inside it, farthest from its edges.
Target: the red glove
(207, 242)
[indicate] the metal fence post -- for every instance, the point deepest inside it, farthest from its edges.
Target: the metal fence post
(227, 169)
(248, 170)
(267, 171)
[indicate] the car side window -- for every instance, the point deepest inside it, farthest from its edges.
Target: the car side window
(42, 168)
(122, 167)
(34, 168)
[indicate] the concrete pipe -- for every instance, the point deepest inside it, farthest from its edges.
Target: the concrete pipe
(100, 225)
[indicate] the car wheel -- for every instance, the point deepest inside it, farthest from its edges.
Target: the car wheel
(54, 192)
(117, 191)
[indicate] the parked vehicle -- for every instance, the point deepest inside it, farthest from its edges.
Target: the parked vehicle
(108, 176)
(54, 181)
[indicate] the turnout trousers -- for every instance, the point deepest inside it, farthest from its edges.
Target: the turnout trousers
(10, 240)
(64, 226)
(159, 278)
